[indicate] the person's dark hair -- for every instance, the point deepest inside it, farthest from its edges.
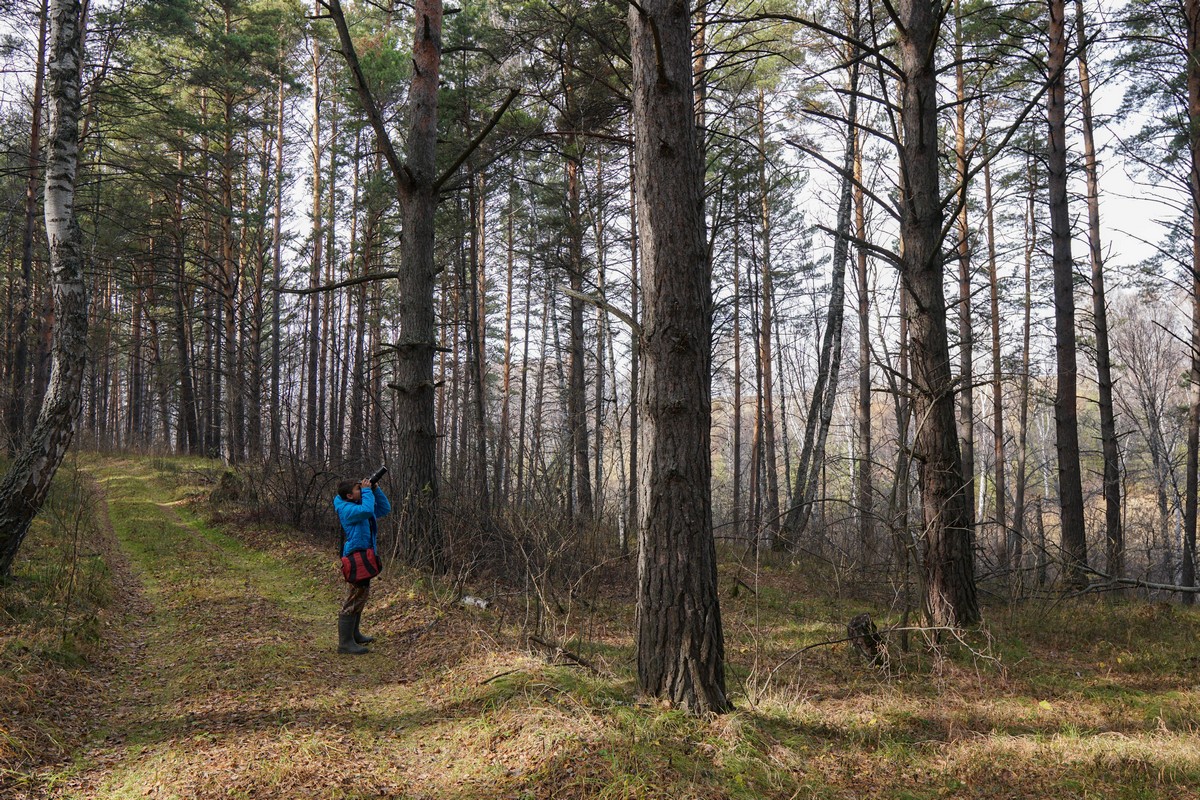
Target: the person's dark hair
(344, 488)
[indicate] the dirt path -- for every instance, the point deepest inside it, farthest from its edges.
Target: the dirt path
(225, 681)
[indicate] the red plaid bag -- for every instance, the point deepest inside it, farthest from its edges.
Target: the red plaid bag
(360, 565)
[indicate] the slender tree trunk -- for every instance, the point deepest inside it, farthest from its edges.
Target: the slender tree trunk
(820, 409)
(475, 341)
(601, 342)
(22, 292)
(770, 529)
(1006, 544)
(1066, 422)
(501, 479)
(189, 423)
(24, 487)
(229, 286)
(1019, 510)
(331, 350)
(521, 411)
(1188, 562)
(680, 642)
(966, 336)
(1114, 536)
(313, 343)
(949, 580)
(635, 360)
(133, 408)
(577, 390)
(865, 489)
(276, 275)
(737, 376)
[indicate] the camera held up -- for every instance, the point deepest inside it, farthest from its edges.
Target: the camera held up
(377, 474)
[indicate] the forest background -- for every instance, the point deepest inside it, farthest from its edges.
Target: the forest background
(243, 244)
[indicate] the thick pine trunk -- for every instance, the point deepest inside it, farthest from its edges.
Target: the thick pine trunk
(679, 638)
(949, 580)
(24, 488)
(416, 478)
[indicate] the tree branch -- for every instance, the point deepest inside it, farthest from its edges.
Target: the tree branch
(601, 303)
(399, 170)
(378, 276)
(478, 140)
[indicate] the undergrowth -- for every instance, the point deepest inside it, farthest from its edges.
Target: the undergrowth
(52, 611)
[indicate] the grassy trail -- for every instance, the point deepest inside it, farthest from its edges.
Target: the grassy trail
(228, 683)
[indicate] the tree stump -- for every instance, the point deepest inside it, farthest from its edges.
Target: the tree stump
(866, 640)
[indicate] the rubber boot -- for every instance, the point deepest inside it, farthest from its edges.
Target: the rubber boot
(358, 635)
(346, 643)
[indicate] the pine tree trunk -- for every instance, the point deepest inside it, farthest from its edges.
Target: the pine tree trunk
(1017, 539)
(601, 343)
(770, 529)
(276, 415)
(1007, 546)
(966, 336)
(949, 580)
(865, 489)
(635, 361)
(18, 386)
(501, 483)
(416, 479)
(679, 641)
(577, 390)
(181, 297)
(476, 342)
(313, 341)
(1114, 536)
(24, 487)
(737, 377)
(1066, 421)
(229, 287)
(1188, 561)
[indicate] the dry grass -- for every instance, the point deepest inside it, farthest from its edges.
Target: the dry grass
(216, 677)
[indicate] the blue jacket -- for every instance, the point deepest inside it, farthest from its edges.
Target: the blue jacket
(358, 519)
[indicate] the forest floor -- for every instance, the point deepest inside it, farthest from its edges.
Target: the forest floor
(151, 646)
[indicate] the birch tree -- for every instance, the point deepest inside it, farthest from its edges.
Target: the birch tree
(24, 488)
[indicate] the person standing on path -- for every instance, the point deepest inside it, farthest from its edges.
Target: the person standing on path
(358, 505)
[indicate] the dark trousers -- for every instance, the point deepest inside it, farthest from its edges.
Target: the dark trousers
(357, 599)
